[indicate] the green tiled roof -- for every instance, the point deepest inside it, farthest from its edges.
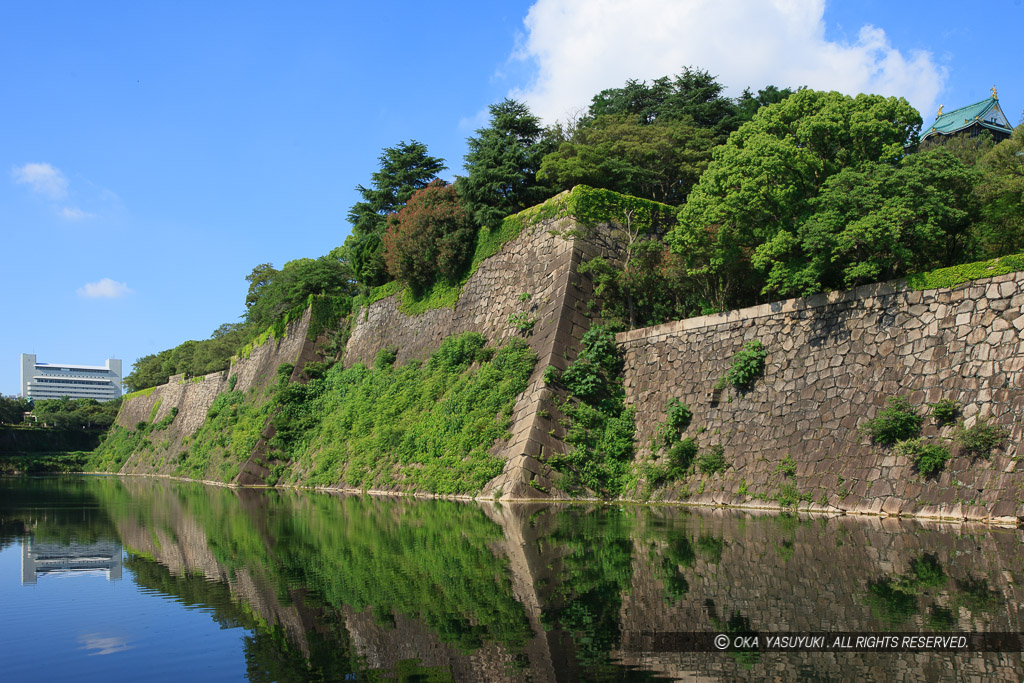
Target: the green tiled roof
(958, 119)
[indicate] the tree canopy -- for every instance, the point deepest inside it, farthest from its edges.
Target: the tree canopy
(432, 236)
(762, 181)
(875, 222)
(659, 161)
(502, 164)
(404, 169)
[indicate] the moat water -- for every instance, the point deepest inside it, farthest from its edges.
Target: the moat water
(107, 578)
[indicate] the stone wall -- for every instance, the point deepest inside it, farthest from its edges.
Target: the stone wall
(832, 363)
(540, 263)
(194, 396)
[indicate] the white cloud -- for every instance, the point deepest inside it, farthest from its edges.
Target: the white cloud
(581, 47)
(73, 213)
(43, 179)
(104, 289)
(103, 645)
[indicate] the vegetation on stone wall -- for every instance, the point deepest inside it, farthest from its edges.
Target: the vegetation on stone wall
(599, 426)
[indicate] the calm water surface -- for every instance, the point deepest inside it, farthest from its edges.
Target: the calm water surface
(103, 578)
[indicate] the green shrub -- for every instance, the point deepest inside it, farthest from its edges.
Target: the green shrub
(522, 322)
(681, 455)
(386, 357)
(747, 365)
(787, 467)
(898, 421)
(712, 460)
(551, 375)
(232, 381)
(788, 495)
(945, 411)
(677, 418)
(284, 372)
(980, 440)
(928, 459)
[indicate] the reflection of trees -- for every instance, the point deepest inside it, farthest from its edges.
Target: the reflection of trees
(428, 561)
(54, 509)
(895, 599)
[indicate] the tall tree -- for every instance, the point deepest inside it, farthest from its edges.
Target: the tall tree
(1001, 191)
(693, 94)
(763, 179)
(502, 164)
(431, 236)
(404, 169)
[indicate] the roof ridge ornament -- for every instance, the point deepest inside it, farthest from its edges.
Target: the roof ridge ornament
(940, 111)
(994, 96)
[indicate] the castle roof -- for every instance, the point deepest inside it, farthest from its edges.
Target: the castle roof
(986, 113)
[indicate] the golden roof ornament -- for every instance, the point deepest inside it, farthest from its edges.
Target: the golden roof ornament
(940, 111)
(994, 96)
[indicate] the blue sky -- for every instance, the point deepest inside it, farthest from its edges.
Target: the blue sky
(152, 153)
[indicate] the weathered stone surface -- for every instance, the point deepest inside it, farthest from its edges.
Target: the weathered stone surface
(832, 363)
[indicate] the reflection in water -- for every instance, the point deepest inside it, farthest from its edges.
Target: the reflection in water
(66, 559)
(330, 588)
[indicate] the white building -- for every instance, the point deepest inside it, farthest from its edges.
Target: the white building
(53, 380)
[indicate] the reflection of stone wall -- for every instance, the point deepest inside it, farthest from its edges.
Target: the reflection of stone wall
(789, 576)
(832, 362)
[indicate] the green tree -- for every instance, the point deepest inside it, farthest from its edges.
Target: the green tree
(1001, 191)
(431, 236)
(748, 103)
(660, 161)
(876, 222)
(692, 95)
(404, 169)
(280, 291)
(13, 409)
(762, 181)
(502, 164)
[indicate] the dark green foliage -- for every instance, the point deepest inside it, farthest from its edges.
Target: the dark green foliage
(502, 164)
(404, 169)
(232, 381)
(600, 427)
(787, 467)
(889, 603)
(681, 455)
(975, 595)
(693, 95)
(386, 357)
(1001, 192)
(661, 161)
(980, 440)
(898, 421)
(430, 238)
(273, 293)
(13, 409)
(747, 365)
(712, 460)
(945, 411)
(76, 413)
